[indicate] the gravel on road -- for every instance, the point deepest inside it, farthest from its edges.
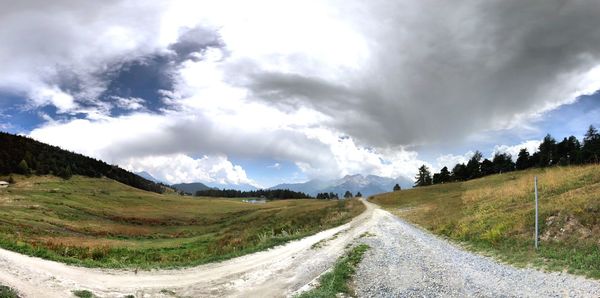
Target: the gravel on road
(406, 261)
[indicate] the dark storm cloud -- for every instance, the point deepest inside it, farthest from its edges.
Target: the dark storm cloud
(441, 70)
(195, 40)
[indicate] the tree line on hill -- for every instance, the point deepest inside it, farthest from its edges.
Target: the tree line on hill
(269, 194)
(23, 155)
(569, 151)
(335, 196)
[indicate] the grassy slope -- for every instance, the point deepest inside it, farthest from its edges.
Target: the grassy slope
(103, 223)
(496, 214)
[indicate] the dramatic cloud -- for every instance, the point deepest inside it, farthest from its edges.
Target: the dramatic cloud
(334, 87)
(442, 70)
(180, 168)
(46, 44)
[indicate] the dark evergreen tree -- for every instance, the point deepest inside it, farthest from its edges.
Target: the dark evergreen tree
(397, 187)
(358, 195)
(460, 173)
(347, 195)
(436, 179)
(523, 160)
(503, 163)
(535, 159)
(24, 168)
(591, 145)
(474, 166)
(423, 177)
(568, 151)
(547, 152)
(444, 175)
(66, 173)
(487, 167)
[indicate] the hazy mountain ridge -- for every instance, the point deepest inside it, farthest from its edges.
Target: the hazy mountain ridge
(367, 185)
(147, 176)
(193, 187)
(190, 188)
(240, 187)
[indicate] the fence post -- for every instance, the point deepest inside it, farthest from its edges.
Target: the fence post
(536, 211)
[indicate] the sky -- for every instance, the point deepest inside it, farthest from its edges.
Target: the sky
(267, 92)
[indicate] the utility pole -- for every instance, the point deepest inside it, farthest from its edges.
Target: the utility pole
(536, 211)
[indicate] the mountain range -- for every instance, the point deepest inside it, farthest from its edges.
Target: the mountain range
(192, 188)
(367, 185)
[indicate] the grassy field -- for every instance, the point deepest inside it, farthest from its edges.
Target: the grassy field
(495, 214)
(103, 223)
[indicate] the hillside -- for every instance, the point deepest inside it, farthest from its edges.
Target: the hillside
(26, 156)
(190, 188)
(495, 214)
(102, 223)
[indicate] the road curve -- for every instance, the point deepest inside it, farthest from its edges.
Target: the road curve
(404, 261)
(272, 273)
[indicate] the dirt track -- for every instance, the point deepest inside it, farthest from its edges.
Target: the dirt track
(272, 273)
(404, 261)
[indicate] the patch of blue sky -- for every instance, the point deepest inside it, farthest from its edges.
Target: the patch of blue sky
(270, 172)
(140, 79)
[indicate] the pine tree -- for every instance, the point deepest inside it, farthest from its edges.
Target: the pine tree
(487, 167)
(358, 195)
(459, 172)
(523, 160)
(397, 187)
(547, 152)
(24, 168)
(347, 195)
(474, 166)
(444, 175)
(503, 163)
(591, 145)
(423, 177)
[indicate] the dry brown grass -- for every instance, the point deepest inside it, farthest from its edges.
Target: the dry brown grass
(496, 213)
(100, 222)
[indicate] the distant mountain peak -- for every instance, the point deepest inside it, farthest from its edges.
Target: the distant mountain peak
(367, 185)
(147, 176)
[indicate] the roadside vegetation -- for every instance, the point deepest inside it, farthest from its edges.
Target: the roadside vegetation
(495, 214)
(98, 222)
(7, 292)
(337, 280)
(83, 294)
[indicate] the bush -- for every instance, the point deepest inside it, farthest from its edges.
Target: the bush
(83, 294)
(6, 292)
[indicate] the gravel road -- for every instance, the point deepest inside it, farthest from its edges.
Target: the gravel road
(403, 261)
(406, 261)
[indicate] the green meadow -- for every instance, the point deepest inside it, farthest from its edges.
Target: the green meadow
(98, 222)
